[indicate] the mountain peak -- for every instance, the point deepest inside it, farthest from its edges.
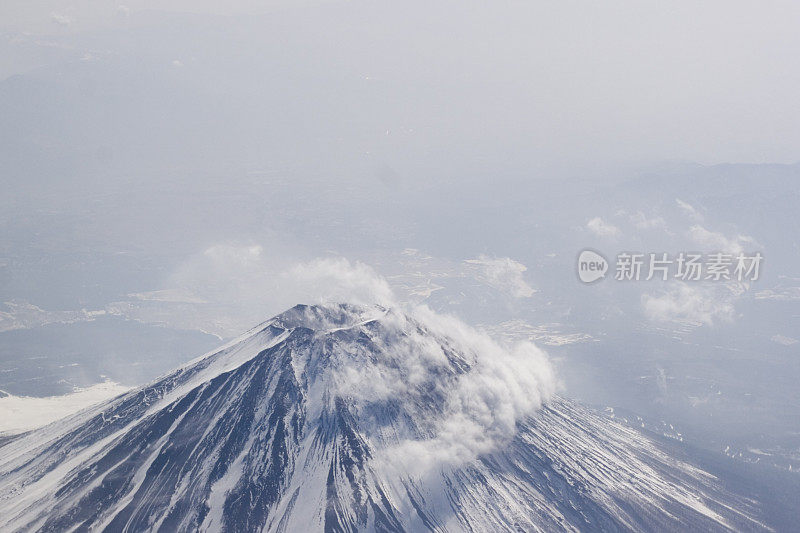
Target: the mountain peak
(325, 317)
(351, 418)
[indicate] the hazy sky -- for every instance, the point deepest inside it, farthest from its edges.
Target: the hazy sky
(523, 81)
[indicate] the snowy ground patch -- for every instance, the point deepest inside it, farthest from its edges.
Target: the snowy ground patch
(23, 413)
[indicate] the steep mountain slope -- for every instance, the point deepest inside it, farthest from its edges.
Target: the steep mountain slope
(342, 418)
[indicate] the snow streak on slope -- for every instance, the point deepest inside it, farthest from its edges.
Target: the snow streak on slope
(342, 418)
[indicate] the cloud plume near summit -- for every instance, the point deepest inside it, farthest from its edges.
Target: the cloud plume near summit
(251, 281)
(226, 287)
(477, 410)
(481, 407)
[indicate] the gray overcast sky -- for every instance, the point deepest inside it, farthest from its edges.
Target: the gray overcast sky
(568, 81)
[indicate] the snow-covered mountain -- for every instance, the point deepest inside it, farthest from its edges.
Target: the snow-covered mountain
(345, 418)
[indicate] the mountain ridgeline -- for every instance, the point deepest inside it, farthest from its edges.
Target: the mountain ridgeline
(348, 418)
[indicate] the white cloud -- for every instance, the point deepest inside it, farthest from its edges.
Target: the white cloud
(641, 221)
(502, 273)
(248, 273)
(712, 241)
(228, 288)
(601, 228)
(784, 340)
(336, 280)
(687, 208)
(689, 303)
(480, 407)
(60, 19)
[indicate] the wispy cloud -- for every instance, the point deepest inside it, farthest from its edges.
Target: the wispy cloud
(61, 19)
(713, 241)
(480, 408)
(502, 273)
(690, 210)
(642, 222)
(601, 228)
(690, 303)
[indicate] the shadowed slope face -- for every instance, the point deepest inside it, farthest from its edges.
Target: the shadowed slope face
(341, 418)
